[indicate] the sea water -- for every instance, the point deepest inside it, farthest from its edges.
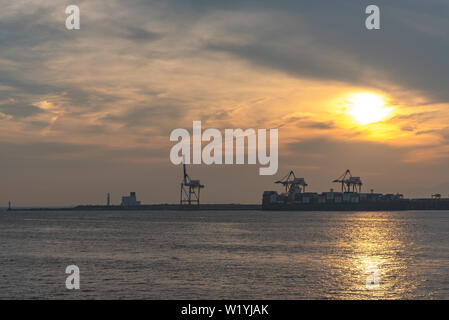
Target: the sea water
(225, 254)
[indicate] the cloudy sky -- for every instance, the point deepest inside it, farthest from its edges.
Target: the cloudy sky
(90, 111)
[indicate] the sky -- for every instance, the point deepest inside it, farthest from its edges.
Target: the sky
(86, 112)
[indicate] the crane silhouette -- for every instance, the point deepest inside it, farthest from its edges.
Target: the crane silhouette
(349, 183)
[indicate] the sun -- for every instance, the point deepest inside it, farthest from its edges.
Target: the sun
(367, 108)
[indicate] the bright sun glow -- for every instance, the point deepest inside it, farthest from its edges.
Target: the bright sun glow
(367, 108)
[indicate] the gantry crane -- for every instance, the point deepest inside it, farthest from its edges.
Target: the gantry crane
(292, 184)
(349, 183)
(190, 189)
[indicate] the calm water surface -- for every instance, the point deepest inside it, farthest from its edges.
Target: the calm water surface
(225, 254)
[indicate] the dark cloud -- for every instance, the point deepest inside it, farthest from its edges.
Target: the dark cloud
(18, 81)
(140, 34)
(328, 41)
(316, 125)
(417, 116)
(28, 30)
(145, 116)
(408, 128)
(426, 132)
(19, 110)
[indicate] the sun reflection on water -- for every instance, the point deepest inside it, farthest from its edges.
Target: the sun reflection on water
(375, 248)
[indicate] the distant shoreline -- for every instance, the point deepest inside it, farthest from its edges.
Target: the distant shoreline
(403, 205)
(151, 207)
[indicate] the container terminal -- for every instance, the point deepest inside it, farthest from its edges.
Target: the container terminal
(294, 198)
(349, 198)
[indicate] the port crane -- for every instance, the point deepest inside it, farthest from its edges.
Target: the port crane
(292, 184)
(349, 183)
(190, 189)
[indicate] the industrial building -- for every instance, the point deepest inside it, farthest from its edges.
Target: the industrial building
(130, 201)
